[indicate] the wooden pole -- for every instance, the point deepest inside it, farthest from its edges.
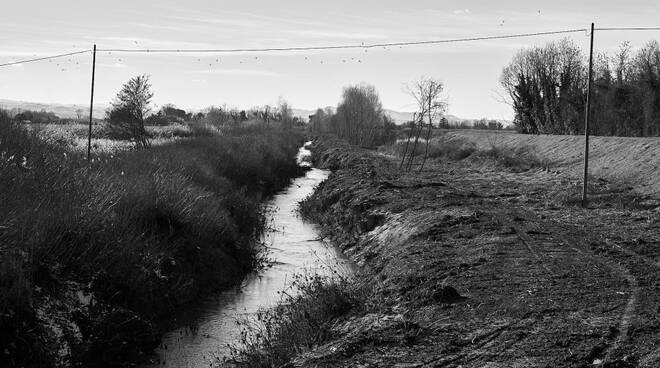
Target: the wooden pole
(586, 120)
(91, 106)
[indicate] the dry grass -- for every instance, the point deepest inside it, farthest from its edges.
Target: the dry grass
(515, 159)
(74, 136)
(601, 193)
(300, 322)
(617, 159)
(458, 148)
(146, 230)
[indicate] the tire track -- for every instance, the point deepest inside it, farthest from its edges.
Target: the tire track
(560, 233)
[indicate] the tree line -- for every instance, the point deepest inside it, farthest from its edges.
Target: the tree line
(131, 111)
(547, 88)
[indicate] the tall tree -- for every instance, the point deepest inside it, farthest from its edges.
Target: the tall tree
(359, 116)
(547, 88)
(129, 109)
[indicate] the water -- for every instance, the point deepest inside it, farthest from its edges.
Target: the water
(294, 247)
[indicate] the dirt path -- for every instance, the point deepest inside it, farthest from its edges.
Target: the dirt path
(473, 267)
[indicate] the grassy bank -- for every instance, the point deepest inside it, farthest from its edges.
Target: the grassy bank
(94, 254)
(456, 148)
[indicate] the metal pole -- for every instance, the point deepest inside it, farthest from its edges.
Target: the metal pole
(91, 106)
(586, 119)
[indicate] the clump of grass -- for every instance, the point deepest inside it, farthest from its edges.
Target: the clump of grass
(439, 147)
(454, 149)
(170, 131)
(602, 193)
(300, 322)
(516, 159)
(146, 230)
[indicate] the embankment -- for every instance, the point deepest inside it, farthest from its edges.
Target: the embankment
(630, 160)
(96, 256)
(470, 266)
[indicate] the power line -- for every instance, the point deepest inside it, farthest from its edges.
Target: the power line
(44, 58)
(629, 29)
(339, 47)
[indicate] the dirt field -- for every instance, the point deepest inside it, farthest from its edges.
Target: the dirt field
(468, 264)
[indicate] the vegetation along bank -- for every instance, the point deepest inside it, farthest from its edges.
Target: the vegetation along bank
(94, 256)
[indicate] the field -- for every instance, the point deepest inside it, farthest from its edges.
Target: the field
(75, 136)
(97, 255)
(484, 258)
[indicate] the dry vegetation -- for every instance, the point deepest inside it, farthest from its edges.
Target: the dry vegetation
(302, 320)
(441, 146)
(92, 254)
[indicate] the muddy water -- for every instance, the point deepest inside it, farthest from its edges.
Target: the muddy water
(293, 247)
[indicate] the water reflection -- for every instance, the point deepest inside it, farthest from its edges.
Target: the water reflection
(294, 247)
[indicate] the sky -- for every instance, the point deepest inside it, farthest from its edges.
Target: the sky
(306, 79)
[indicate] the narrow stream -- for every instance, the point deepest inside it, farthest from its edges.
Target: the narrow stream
(293, 247)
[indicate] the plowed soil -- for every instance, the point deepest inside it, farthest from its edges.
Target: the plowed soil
(467, 264)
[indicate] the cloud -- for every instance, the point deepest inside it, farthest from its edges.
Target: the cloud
(238, 72)
(111, 65)
(461, 11)
(339, 35)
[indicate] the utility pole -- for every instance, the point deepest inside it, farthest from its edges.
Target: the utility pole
(586, 120)
(91, 106)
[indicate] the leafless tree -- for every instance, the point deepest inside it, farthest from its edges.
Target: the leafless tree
(360, 116)
(431, 104)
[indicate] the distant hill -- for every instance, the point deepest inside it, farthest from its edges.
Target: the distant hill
(399, 117)
(67, 111)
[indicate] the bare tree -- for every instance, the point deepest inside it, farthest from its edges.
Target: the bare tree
(431, 104)
(360, 116)
(428, 93)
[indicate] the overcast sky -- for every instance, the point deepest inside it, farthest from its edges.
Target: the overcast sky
(470, 71)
